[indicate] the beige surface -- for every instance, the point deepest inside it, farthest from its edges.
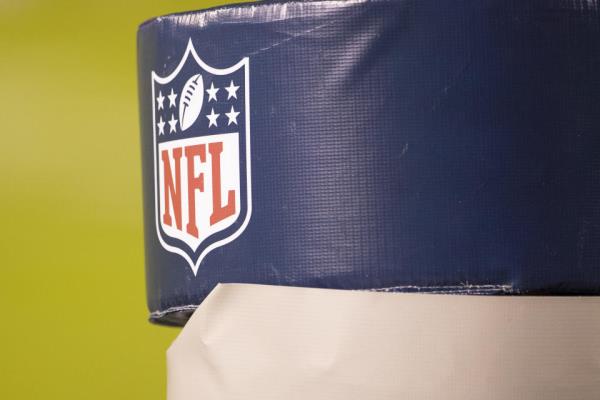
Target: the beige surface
(268, 342)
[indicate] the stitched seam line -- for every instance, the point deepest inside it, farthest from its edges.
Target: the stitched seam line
(450, 289)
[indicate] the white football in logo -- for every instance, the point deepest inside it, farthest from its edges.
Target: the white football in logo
(190, 102)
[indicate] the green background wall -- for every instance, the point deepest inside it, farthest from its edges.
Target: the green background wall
(72, 296)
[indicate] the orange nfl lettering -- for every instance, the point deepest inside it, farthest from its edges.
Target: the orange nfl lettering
(195, 182)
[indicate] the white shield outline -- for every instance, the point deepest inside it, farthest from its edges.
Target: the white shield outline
(243, 63)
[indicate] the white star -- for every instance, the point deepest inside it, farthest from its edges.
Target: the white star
(172, 124)
(172, 98)
(232, 115)
(212, 92)
(212, 118)
(161, 126)
(231, 90)
(160, 100)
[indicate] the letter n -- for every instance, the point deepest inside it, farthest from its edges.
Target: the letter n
(172, 189)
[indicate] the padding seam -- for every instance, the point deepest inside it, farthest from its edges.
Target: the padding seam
(450, 289)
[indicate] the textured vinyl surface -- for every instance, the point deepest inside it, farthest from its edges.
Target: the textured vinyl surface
(395, 145)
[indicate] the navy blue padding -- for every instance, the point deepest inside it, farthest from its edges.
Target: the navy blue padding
(445, 146)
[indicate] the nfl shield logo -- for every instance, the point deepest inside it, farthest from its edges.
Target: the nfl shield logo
(201, 156)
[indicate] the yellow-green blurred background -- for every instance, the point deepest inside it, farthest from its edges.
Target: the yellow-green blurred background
(72, 291)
